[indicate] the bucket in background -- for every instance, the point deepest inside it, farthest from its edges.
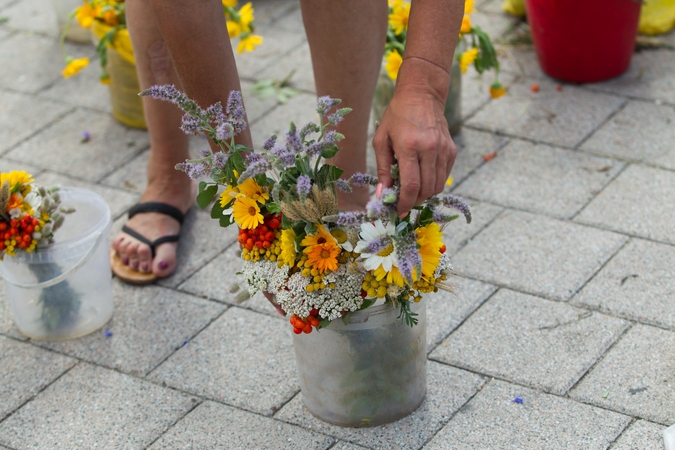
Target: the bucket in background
(366, 373)
(584, 41)
(64, 291)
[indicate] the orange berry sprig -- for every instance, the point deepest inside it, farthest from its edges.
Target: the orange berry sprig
(18, 233)
(260, 237)
(305, 325)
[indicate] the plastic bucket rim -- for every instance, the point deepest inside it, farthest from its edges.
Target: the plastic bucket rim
(89, 234)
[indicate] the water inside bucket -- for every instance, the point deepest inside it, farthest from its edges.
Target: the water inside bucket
(65, 290)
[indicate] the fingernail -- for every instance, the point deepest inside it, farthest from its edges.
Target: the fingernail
(144, 267)
(163, 265)
(378, 191)
(125, 261)
(134, 264)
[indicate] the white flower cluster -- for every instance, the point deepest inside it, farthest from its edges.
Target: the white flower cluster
(346, 296)
(444, 266)
(264, 276)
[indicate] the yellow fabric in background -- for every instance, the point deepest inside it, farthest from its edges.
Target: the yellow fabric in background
(515, 7)
(657, 17)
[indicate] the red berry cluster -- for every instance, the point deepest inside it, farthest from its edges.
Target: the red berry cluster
(21, 231)
(305, 325)
(262, 236)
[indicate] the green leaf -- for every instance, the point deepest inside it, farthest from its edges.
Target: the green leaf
(225, 220)
(4, 20)
(310, 229)
(217, 211)
(330, 151)
(286, 223)
(202, 186)
(366, 303)
(345, 319)
(323, 323)
(426, 216)
(205, 197)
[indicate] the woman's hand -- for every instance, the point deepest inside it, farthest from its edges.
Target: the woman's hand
(415, 131)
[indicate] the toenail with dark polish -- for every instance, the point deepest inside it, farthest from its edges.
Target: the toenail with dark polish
(134, 264)
(125, 261)
(163, 265)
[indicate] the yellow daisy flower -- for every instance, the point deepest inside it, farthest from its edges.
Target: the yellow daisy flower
(393, 64)
(321, 237)
(468, 7)
(16, 179)
(430, 241)
(398, 19)
(467, 58)
(246, 213)
(110, 17)
(85, 15)
(229, 3)
(246, 17)
(466, 25)
(249, 43)
(233, 29)
(288, 252)
(74, 66)
(251, 189)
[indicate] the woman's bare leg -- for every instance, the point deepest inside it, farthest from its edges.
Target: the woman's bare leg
(168, 52)
(346, 40)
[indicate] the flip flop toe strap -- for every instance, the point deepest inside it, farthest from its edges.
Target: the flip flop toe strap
(157, 207)
(148, 242)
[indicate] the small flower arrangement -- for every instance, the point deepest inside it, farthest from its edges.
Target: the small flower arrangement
(321, 263)
(110, 16)
(29, 216)
(477, 47)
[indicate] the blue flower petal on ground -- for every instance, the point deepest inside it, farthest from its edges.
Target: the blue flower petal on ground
(518, 400)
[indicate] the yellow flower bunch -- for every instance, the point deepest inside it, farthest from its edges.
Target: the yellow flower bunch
(240, 24)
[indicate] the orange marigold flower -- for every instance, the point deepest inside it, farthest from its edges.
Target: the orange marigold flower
(323, 257)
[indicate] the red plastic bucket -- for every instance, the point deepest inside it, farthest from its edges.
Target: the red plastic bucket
(583, 41)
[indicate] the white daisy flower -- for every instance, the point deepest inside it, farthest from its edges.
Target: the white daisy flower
(379, 235)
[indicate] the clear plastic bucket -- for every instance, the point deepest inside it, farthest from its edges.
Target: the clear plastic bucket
(64, 291)
(369, 372)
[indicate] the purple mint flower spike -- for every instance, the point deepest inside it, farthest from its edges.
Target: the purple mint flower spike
(408, 256)
(325, 103)
(458, 203)
(376, 209)
(285, 157)
(235, 106)
(269, 143)
(220, 160)
(304, 185)
(225, 131)
(191, 125)
(204, 153)
(311, 127)
(378, 244)
(257, 164)
(293, 142)
(316, 148)
(343, 185)
(363, 180)
(333, 136)
(347, 218)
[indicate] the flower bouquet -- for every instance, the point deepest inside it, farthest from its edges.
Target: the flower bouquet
(29, 216)
(324, 266)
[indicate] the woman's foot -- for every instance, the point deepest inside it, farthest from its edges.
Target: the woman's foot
(177, 191)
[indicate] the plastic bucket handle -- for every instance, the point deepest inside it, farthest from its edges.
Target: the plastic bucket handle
(64, 275)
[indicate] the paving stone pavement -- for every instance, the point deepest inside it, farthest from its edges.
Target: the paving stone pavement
(565, 290)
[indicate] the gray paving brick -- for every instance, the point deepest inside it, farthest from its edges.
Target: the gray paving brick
(640, 132)
(458, 233)
(495, 25)
(543, 344)
(24, 371)
(22, 115)
(472, 145)
(7, 165)
(492, 6)
(299, 60)
(84, 89)
(274, 13)
(641, 435)
(346, 446)
(493, 420)
(148, 318)
(447, 390)
(637, 202)
(540, 179)
(7, 325)
(636, 376)
(110, 146)
(4, 32)
(95, 407)
(558, 118)
(638, 284)
(524, 62)
(300, 109)
(535, 254)
(649, 76)
(446, 311)
(32, 61)
(214, 281)
(215, 426)
(118, 200)
(244, 359)
(36, 15)
(202, 239)
(277, 42)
